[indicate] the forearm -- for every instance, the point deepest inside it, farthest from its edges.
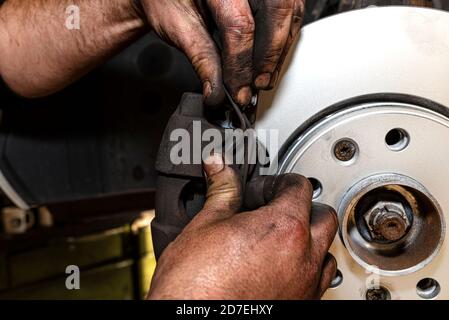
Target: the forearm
(40, 55)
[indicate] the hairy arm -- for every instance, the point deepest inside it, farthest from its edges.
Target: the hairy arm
(40, 55)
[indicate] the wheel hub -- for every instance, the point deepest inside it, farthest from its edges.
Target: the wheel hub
(372, 134)
(390, 222)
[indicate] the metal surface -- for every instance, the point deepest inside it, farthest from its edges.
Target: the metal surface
(344, 185)
(407, 254)
(387, 221)
(377, 294)
(320, 102)
(368, 57)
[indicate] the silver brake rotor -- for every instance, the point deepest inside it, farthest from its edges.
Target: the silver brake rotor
(361, 111)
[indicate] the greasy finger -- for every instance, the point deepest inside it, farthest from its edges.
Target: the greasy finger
(236, 26)
(293, 195)
(324, 225)
(182, 25)
(295, 28)
(273, 24)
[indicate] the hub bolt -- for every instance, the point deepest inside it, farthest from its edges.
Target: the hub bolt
(387, 221)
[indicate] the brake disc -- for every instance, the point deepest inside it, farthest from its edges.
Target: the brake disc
(362, 111)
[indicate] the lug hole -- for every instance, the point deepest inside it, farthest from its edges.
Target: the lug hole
(317, 187)
(337, 281)
(380, 293)
(397, 139)
(428, 288)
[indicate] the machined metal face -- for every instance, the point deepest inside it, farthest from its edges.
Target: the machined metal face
(339, 126)
(390, 224)
(381, 176)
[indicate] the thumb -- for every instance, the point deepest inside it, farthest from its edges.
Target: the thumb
(224, 191)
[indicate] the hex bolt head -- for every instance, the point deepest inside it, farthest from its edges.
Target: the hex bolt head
(345, 150)
(387, 221)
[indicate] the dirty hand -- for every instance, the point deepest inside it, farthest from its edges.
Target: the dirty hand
(255, 37)
(279, 251)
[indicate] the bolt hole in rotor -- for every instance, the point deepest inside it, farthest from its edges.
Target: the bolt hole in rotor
(397, 139)
(428, 288)
(380, 293)
(317, 187)
(337, 281)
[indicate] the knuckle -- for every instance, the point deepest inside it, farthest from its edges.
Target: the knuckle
(271, 58)
(238, 66)
(279, 4)
(293, 180)
(199, 59)
(289, 222)
(240, 26)
(331, 216)
(237, 70)
(224, 193)
(299, 229)
(205, 64)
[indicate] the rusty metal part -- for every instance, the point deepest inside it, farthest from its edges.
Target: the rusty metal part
(387, 221)
(181, 187)
(380, 293)
(396, 250)
(345, 150)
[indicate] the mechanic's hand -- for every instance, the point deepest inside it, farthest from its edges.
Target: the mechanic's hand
(279, 251)
(255, 36)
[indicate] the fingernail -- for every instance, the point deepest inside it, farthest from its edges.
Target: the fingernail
(213, 164)
(207, 89)
(262, 81)
(244, 96)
